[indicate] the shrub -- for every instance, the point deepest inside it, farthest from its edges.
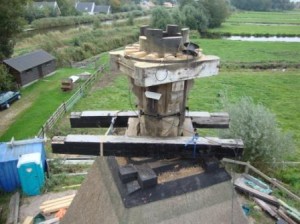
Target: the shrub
(160, 18)
(264, 143)
(6, 80)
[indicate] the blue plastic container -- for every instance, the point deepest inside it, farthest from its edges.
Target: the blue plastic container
(9, 156)
(31, 173)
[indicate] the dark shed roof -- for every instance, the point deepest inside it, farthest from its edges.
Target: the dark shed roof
(30, 60)
(102, 9)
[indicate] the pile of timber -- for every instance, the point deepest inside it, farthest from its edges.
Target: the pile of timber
(276, 208)
(54, 205)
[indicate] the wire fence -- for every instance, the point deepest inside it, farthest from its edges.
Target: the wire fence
(66, 106)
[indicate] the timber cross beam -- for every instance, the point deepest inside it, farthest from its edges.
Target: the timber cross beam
(124, 146)
(96, 119)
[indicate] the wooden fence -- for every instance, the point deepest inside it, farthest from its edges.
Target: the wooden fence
(273, 181)
(66, 106)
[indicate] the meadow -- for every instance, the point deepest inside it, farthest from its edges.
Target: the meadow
(261, 24)
(43, 97)
(286, 17)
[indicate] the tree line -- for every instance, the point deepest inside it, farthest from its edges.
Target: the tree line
(263, 5)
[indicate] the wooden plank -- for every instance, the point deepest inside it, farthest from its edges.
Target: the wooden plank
(13, 209)
(58, 200)
(28, 220)
(43, 207)
(95, 119)
(284, 216)
(271, 211)
(56, 207)
(239, 184)
(145, 146)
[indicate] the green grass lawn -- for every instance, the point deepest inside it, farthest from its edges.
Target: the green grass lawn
(44, 96)
(253, 29)
(261, 24)
(238, 53)
(287, 17)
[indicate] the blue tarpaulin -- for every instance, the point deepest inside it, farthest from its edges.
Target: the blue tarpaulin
(9, 156)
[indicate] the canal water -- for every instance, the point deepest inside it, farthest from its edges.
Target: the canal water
(264, 39)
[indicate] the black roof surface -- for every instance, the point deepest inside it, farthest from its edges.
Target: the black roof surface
(30, 60)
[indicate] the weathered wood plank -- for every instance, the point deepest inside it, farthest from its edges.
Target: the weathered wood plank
(266, 207)
(145, 146)
(240, 185)
(96, 119)
(13, 209)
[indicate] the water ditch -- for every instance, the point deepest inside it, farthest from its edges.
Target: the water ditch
(264, 39)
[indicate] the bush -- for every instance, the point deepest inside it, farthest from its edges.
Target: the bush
(160, 18)
(6, 80)
(264, 143)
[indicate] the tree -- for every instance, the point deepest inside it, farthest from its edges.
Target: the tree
(177, 17)
(264, 143)
(183, 3)
(218, 11)
(160, 18)
(6, 80)
(67, 7)
(11, 23)
(115, 5)
(195, 18)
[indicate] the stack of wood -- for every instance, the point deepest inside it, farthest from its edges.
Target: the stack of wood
(276, 208)
(54, 205)
(67, 84)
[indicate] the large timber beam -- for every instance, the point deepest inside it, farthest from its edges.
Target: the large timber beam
(112, 145)
(96, 119)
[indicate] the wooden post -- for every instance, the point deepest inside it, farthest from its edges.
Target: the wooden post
(247, 167)
(65, 108)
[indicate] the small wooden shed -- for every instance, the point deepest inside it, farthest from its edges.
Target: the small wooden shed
(30, 67)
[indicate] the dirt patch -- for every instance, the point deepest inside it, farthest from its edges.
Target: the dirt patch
(30, 205)
(9, 115)
(107, 79)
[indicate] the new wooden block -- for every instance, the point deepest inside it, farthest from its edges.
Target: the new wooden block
(28, 220)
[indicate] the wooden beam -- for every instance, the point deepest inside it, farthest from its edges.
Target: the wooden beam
(96, 119)
(145, 146)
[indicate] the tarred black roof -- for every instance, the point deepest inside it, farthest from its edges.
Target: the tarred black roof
(30, 60)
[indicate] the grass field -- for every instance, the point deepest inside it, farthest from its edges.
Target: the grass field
(287, 17)
(238, 53)
(44, 96)
(261, 24)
